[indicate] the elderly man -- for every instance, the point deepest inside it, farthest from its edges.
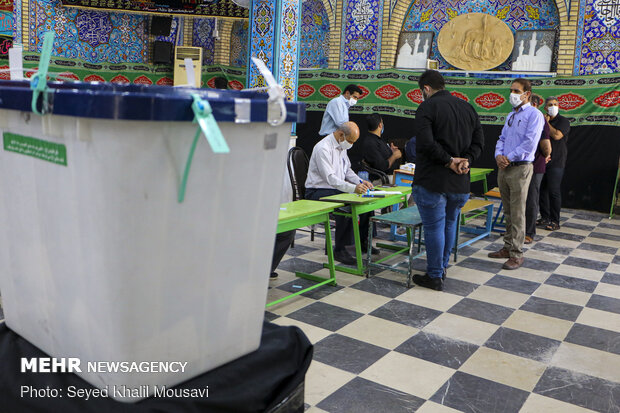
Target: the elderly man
(330, 173)
(514, 154)
(337, 110)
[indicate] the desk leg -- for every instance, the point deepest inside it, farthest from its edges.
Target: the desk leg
(484, 185)
(357, 240)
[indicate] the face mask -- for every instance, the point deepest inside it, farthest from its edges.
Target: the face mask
(352, 101)
(515, 100)
(553, 111)
(345, 145)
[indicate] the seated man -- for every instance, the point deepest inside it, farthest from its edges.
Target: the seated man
(374, 150)
(330, 173)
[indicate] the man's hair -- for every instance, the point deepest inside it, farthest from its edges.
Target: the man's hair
(346, 129)
(373, 121)
(536, 99)
(352, 89)
(432, 78)
(220, 83)
(526, 84)
(549, 99)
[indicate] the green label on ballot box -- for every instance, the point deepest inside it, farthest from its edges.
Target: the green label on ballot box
(37, 148)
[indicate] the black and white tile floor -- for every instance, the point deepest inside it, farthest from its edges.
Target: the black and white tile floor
(541, 339)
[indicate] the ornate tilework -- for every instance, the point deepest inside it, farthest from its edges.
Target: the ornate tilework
(262, 41)
(174, 27)
(427, 15)
(314, 35)
(288, 65)
(7, 24)
(17, 21)
(203, 37)
(361, 35)
(598, 37)
(92, 36)
(239, 44)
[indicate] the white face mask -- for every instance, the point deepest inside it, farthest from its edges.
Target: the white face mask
(345, 145)
(553, 111)
(515, 100)
(352, 101)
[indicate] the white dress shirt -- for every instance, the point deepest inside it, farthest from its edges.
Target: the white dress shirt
(330, 167)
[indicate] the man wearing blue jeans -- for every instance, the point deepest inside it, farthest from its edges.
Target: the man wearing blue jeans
(449, 138)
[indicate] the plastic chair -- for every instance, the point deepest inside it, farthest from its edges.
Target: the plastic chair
(382, 175)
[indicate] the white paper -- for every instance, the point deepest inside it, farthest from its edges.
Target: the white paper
(189, 69)
(16, 65)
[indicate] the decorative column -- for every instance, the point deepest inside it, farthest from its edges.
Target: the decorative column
(274, 38)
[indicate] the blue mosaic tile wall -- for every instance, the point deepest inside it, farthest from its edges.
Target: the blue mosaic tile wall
(239, 44)
(431, 15)
(203, 37)
(314, 35)
(174, 27)
(598, 37)
(361, 34)
(89, 35)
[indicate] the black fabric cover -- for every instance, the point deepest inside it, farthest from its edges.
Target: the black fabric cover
(256, 382)
(591, 166)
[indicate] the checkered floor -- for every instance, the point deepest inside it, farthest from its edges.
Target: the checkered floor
(544, 338)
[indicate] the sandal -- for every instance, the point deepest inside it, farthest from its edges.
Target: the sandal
(542, 222)
(553, 226)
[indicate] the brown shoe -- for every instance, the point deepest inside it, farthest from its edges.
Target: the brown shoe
(503, 253)
(528, 240)
(513, 263)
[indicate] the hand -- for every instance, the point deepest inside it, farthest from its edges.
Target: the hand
(547, 159)
(361, 188)
(394, 148)
(368, 184)
(397, 153)
(547, 117)
(457, 165)
(463, 166)
(502, 161)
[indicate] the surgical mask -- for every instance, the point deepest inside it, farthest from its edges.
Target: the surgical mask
(515, 100)
(345, 145)
(352, 101)
(553, 111)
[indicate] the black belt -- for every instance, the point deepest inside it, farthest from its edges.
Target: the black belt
(519, 163)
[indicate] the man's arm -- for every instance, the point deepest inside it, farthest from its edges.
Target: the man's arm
(561, 131)
(545, 147)
(327, 172)
(533, 130)
(477, 141)
(426, 142)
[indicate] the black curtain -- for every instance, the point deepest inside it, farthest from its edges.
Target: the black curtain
(591, 166)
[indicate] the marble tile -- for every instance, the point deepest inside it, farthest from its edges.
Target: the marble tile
(408, 374)
(428, 298)
(356, 300)
(566, 236)
(609, 225)
(552, 308)
(597, 248)
(513, 284)
(608, 290)
(300, 249)
(527, 274)
(314, 409)
(329, 317)
(602, 235)
(322, 380)
(472, 394)
(458, 287)
(461, 328)
(522, 344)
(600, 319)
(499, 296)
(585, 263)
(480, 310)
(561, 242)
(469, 275)
(286, 307)
(588, 361)
(604, 230)
(536, 403)
(610, 278)
(504, 368)
(603, 303)
(438, 349)
(586, 274)
(270, 316)
(615, 268)
(544, 256)
(572, 283)
(568, 230)
(580, 389)
(538, 324)
(404, 313)
(347, 353)
(593, 255)
(602, 241)
(381, 286)
(552, 248)
(315, 334)
(563, 295)
(344, 279)
(587, 216)
(377, 331)
(482, 265)
(300, 264)
(539, 265)
(360, 395)
(432, 407)
(316, 294)
(604, 340)
(582, 227)
(616, 259)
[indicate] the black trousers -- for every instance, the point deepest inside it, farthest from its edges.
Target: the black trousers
(283, 242)
(551, 194)
(531, 205)
(344, 226)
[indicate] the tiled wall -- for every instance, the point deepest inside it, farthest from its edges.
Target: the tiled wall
(598, 37)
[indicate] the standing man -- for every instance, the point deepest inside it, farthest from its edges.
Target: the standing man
(337, 111)
(449, 139)
(551, 188)
(330, 173)
(542, 156)
(514, 154)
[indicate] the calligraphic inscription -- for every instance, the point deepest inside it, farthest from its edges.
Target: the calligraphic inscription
(608, 11)
(475, 41)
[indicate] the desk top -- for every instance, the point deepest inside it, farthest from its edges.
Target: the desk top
(472, 171)
(358, 199)
(305, 207)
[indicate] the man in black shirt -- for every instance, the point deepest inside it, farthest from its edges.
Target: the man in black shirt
(449, 139)
(374, 150)
(550, 189)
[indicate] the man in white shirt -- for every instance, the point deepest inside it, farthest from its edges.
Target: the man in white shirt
(337, 110)
(330, 173)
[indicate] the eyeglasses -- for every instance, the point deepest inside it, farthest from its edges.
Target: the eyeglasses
(511, 119)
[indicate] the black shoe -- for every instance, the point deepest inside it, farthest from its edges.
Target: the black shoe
(428, 282)
(374, 251)
(344, 257)
(273, 275)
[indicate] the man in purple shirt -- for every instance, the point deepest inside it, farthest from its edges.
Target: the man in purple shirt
(514, 154)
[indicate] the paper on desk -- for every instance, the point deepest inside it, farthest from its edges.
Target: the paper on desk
(385, 193)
